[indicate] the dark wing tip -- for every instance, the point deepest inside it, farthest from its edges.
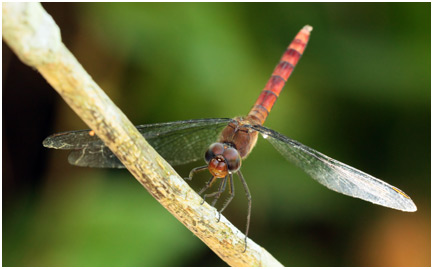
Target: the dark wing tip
(48, 142)
(54, 141)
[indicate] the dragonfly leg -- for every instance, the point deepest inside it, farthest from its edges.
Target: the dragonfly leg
(195, 171)
(208, 185)
(232, 194)
(247, 192)
(218, 193)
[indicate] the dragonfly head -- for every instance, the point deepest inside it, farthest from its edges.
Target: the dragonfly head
(222, 159)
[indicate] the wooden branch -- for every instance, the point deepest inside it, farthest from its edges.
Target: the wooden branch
(35, 38)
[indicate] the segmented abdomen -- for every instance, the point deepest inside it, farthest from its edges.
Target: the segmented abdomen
(281, 73)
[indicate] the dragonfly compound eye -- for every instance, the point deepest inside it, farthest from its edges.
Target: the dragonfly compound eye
(214, 150)
(233, 159)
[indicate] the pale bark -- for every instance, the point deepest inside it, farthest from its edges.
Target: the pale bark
(35, 38)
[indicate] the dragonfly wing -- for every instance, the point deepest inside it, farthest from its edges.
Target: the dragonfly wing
(178, 142)
(91, 156)
(338, 176)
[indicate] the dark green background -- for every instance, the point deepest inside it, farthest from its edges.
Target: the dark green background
(360, 94)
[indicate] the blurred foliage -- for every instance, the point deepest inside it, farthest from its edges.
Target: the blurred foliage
(360, 93)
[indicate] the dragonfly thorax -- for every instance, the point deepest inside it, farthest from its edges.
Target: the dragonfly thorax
(239, 134)
(222, 159)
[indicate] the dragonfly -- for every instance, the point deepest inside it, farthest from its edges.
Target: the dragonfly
(225, 142)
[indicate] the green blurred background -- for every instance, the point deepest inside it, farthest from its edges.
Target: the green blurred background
(360, 94)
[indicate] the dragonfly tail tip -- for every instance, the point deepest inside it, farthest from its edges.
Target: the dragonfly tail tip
(308, 28)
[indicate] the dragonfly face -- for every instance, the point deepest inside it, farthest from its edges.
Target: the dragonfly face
(222, 159)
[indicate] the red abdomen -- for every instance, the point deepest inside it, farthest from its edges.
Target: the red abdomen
(281, 73)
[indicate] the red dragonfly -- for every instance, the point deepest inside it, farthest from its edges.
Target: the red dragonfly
(182, 142)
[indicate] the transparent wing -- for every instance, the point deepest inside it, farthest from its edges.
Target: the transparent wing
(338, 176)
(178, 142)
